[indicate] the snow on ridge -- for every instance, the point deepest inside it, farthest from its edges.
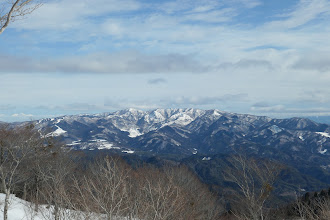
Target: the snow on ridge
(159, 115)
(324, 134)
(59, 120)
(216, 113)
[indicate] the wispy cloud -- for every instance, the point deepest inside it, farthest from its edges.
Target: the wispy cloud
(247, 63)
(304, 12)
(74, 14)
(21, 115)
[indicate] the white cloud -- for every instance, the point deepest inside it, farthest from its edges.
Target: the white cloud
(21, 115)
(305, 11)
(171, 7)
(249, 3)
(74, 14)
(78, 21)
(214, 16)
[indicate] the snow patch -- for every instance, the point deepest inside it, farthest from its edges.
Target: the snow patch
(22, 210)
(216, 113)
(74, 143)
(323, 151)
(104, 144)
(99, 140)
(59, 131)
(134, 132)
(59, 120)
(159, 116)
(184, 120)
(325, 167)
(128, 151)
(324, 134)
(206, 158)
(275, 129)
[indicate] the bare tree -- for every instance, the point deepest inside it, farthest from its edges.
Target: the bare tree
(111, 189)
(105, 189)
(55, 189)
(255, 181)
(15, 148)
(12, 10)
(175, 193)
(315, 208)
(160, 196)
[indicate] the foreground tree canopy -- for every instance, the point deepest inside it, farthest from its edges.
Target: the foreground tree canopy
(13, 10)
(39, 169)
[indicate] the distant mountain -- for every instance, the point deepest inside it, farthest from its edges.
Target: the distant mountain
(181, 133)
(188, 131)
(320, 119)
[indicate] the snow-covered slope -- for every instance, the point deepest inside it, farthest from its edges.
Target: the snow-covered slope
(22, 210)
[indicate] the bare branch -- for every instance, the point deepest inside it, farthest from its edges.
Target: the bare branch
(11, 11)
(255, 180)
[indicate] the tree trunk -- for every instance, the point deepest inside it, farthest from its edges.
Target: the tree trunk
(6, 206)
(56, 212)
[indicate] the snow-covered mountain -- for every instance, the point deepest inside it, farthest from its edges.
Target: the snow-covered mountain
(189, 131)
(117, 130)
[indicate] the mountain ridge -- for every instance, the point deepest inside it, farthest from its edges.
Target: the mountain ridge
(129, 127)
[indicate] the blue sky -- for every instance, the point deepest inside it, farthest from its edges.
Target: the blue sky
(263, 57)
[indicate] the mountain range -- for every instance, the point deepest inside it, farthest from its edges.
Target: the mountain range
(183, 133)
(190, 131)
(202, 140)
